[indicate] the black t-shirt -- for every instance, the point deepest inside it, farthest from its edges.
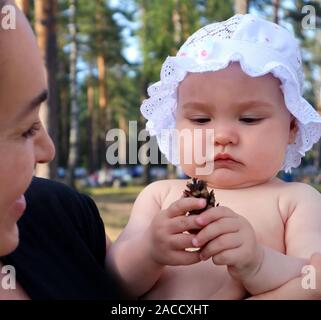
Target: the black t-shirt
(62, 248)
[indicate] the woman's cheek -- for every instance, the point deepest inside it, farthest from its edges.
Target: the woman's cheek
(23, 167)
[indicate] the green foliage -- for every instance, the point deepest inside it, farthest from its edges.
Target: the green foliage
(159, 27)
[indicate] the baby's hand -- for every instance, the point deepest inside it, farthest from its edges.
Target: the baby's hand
(230, 240)
(166, 237)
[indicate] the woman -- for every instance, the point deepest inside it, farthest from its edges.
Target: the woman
(62, 241)
(23, 140)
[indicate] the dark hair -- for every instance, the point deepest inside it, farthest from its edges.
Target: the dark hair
(2, 3)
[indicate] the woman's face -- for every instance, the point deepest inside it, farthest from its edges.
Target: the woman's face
(23, 140)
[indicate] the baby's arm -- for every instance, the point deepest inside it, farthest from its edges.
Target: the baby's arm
(152, 239)
(293, 290)
(230, 240)
(275, 270)
(302, 238)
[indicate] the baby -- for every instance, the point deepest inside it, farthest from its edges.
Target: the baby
(241, 80)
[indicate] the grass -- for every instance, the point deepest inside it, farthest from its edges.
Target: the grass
(111, 191)
(114, 205)
(317, 186)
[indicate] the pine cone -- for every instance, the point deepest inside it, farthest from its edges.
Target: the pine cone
(198, 189)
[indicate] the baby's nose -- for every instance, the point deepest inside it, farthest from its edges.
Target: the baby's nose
(225, 136)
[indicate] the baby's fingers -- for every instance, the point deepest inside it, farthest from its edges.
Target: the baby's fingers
(227, 257)
(214, 230)
(184, 258)
(183, 223)
(181, 206)
(221, 244)
(214, 214)
(181, 241)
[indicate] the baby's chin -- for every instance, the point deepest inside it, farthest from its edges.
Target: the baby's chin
(227, 179)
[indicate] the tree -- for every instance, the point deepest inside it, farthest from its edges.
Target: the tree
(101, 49)
(276, 6)
(23, 5)
(241, 6)
(45, 27)
(216, 10)
(310, 39)
(74, 125)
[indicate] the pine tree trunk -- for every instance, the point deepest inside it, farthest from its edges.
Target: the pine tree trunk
(241, 6)
(23, 5)
(176, 19)
(177, 22)
(45, 26)
(276, 7)
(185, 24)
(104, 118)
(64, 103)
(74, 125)
(42, 170)
(122, 145)
(147, 167)
(92, 138)
(104, 112)
(51, 62)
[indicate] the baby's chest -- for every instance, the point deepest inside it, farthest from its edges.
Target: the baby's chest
(261, 210)
(266, 221)
(265, 218)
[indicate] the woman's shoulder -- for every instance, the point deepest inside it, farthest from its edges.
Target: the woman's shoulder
(46, 188)
(49, 193)
(49, 202)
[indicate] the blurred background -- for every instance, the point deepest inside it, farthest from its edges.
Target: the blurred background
(100, 57)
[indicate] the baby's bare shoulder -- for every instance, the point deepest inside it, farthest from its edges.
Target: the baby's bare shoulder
(162, 186)
(149, 202)
(162, 189)
(303, 224)
(300, 197)
(299, 190)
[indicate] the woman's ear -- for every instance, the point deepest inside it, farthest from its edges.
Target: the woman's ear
(293, 130)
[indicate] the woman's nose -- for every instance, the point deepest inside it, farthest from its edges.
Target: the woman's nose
(44, 147)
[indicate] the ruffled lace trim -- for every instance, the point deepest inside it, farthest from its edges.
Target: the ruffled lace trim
(160, 108)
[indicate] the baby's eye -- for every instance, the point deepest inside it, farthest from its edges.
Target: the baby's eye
(250, 120)
(201, 120)
(32, 130)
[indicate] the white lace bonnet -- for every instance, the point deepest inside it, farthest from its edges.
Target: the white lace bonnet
(260, 47)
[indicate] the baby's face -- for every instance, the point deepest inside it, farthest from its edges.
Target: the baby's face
(250, 120)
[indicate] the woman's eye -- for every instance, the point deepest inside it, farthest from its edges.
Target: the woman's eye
(201, 120)
(32, 131)
(250, 120)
